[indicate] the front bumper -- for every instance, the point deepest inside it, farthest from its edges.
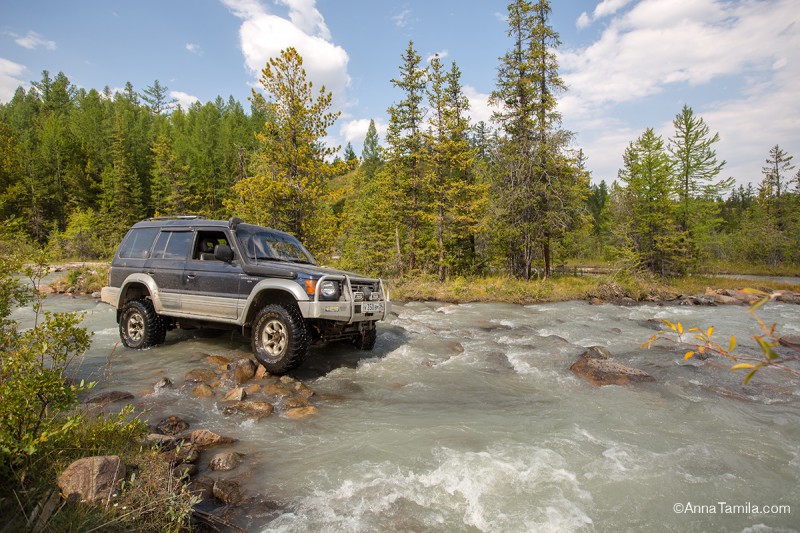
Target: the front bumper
(349, 308)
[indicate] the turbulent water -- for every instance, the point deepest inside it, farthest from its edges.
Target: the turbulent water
(466, 418)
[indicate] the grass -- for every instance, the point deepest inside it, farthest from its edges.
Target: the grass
(83, 280)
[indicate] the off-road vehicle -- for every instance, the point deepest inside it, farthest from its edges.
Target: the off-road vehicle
(190, 272)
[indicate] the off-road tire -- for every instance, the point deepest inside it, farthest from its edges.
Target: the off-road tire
(367, 340)
(140, 326)
(279, 338)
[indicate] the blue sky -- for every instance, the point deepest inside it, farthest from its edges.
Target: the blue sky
(629, 64)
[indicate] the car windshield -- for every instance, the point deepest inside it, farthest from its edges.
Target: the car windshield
(263, 244)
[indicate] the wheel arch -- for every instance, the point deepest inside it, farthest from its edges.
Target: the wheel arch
(267, 296)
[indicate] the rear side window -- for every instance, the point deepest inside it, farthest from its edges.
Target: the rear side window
(138, 243)
(173, 245)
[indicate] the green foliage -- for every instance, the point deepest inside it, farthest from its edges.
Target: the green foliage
(36, 390)
(290, 188)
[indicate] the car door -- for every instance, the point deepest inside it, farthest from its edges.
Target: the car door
(212, 286)
(166, 265)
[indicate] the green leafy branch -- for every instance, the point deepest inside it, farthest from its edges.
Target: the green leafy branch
(700, 342)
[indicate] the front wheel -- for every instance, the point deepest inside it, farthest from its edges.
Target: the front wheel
(140, 326)
(366, 340)
(280, 340)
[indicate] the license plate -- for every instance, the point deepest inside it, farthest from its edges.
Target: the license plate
(372, 307)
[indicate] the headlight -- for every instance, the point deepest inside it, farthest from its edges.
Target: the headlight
(329, 290)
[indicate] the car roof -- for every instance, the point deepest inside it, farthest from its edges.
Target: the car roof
(190, 222)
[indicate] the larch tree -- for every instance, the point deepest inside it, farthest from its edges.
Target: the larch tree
(289, 187)
(696, 168)
(646, 222)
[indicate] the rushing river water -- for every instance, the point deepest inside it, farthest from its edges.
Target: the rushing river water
(466, 418)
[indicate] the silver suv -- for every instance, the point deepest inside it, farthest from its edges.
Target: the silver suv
(190, 272)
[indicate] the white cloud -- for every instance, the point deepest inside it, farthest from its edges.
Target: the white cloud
(194, 48)
(263, 35)
(305, 15)
(479, 109)
(402, 19)
(9, 78)
(33, 40)
(185, 100)
(442, 54)
(355, 131)
(678, 46)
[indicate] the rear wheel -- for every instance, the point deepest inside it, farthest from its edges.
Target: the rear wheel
(140, 326)
(280, 340)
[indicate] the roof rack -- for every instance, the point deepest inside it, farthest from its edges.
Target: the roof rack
(180, 217)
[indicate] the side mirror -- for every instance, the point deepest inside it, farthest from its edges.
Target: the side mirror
(223, 252)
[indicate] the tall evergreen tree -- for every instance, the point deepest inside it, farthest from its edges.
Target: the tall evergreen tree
(289, 189)
(371, 153)
(540, 189)
(157, 99)
(647, 219)
(405, 150)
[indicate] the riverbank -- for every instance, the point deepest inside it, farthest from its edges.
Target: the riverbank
(89, 278)
(609, 288)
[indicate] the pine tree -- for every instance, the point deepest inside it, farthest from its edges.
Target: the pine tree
(371, 153)
(540, 189)
(289, 188)
(405, 144)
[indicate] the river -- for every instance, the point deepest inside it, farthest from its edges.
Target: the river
(466, 418)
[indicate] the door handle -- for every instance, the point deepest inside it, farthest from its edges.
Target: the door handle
(190, 276)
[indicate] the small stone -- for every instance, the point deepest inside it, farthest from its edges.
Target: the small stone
(227, 491)
(218, 360)
(172, 425)
(595, 301)
(596, 352)
(185, 453)
(183, 472)
(287, 379)
(243, 370)
(225, 461)
(261, 372)
(235, 395)
(203, 390)
(162, 383)
(164, 442)
(303, 390)
(258, 408)
(203, 438)
(105, 398)
(276, 390)
(295, 402)
(301, 413)
(200, 374)
(252, 389)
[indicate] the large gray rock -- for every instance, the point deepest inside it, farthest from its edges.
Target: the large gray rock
(92, 479)
(601, 372)
(227, 491)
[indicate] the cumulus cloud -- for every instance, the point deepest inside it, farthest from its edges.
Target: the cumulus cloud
(354, 131)
(479, 109)
(10, 73)
(184, 99)
(194, 48)
(33, 40)
(263, 35)
(684, 44)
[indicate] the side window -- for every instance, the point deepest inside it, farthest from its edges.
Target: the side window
(206, 243)
(178, 245)
(161, 245)
(137, 244)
